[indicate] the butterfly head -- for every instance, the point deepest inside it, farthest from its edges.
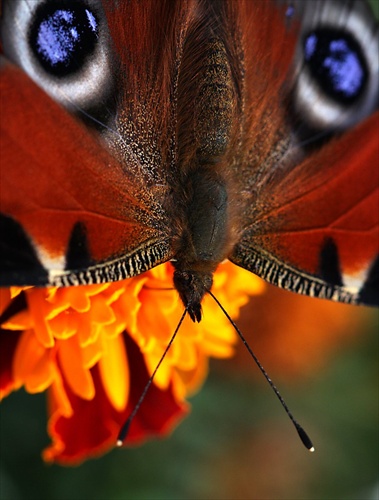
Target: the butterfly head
(192, 286)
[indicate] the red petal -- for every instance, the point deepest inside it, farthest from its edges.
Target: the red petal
(95, 424)
(8, 343)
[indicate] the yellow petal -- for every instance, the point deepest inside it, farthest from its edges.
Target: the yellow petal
(16, 290)
(114, 370)
(163, 376)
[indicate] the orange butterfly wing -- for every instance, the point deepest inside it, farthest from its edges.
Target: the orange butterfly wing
(321, 219)
(57, 179)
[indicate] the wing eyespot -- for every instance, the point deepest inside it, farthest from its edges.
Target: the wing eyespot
(336, 71)
(63, 37)
(65, 47)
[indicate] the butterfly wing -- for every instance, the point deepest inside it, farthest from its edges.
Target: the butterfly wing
(311, 206)
(318, 233)
(104, 205)
(67, 206)
(83, 188)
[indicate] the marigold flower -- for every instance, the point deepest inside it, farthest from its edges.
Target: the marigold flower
(93, 349)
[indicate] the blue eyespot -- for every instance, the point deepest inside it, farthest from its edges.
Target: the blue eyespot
(290, 12)
(63, 35)
(336, 62)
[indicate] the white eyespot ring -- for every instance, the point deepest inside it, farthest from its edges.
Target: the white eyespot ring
(81, 89)
(318, 110)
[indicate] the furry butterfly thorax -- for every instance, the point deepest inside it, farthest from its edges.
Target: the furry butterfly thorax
(136, 133)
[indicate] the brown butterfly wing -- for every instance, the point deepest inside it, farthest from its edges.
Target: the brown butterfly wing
(106, 204)
(66, 203)
(310, 214)
(316, 229)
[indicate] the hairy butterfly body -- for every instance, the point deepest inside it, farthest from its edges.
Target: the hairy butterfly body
(133, 133)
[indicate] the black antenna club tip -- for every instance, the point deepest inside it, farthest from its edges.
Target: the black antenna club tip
(124, 431)
(305, 439)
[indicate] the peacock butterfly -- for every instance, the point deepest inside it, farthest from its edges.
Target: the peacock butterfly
(134, 133)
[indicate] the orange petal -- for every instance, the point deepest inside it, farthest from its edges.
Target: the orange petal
(100, 312)
(64, 325)
(87, 331)
(188, 382)
(130, 304)
(58, 400)
(216, 347)
(79, 300)
(119, 324)
(93, 351)
(20, 321)
(77, 376)
(114, 292)
(38, 309)
(42, 375)
(29, 352)
(184, 355)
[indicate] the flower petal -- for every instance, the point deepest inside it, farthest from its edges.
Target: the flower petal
(78, 377)
(39, 312)
(42, 375)
(114, 371)
(28, 355)
(8, 344)
(5, 298)
(94, 425)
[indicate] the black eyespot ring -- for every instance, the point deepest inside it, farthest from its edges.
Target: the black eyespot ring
(62, 36)
(337, 63)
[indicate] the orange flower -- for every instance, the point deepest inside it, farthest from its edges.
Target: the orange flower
(94, 347)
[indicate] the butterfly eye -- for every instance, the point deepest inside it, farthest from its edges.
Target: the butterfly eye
(64, 46)
(337, 74)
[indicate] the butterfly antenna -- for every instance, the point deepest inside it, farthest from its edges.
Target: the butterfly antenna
(125, 428)
(302, 434)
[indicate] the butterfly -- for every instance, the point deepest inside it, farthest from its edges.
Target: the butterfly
(139, 132)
